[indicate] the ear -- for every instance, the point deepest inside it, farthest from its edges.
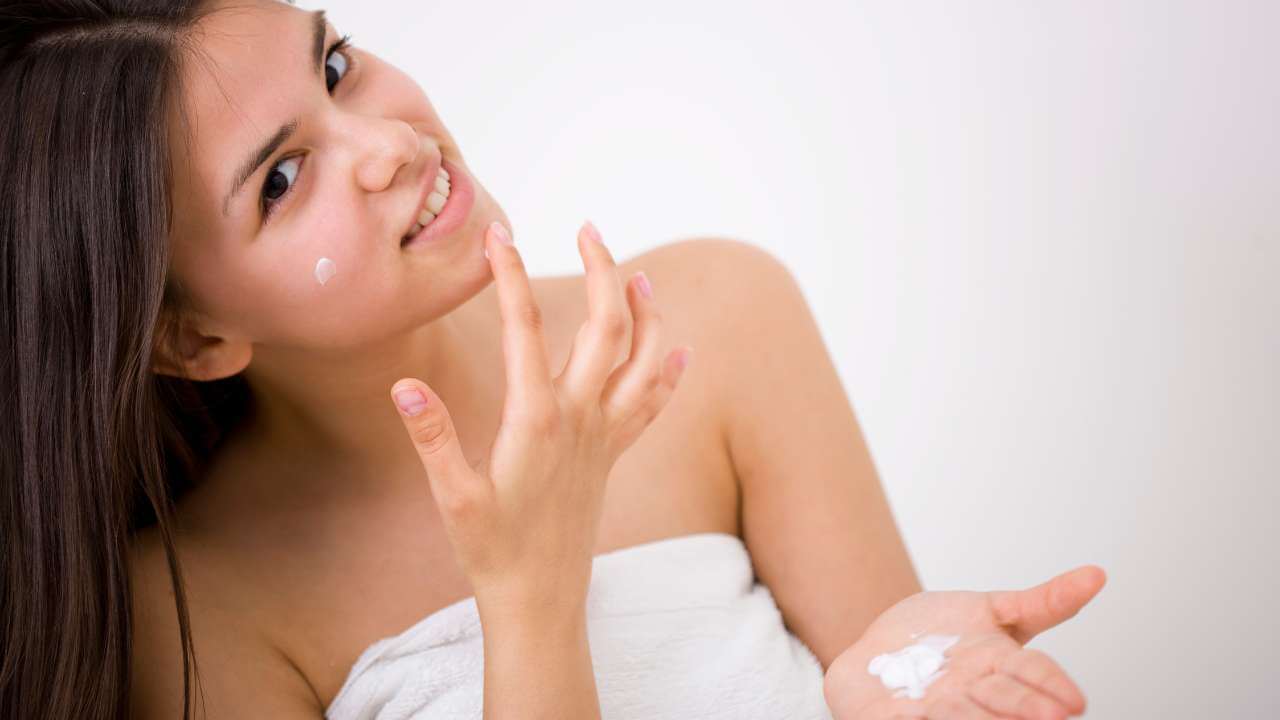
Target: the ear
(185, 349)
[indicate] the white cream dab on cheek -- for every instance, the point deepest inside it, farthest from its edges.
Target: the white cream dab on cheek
(911, 669)
(325, 270)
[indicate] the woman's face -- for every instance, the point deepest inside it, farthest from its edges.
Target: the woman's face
(345, 185)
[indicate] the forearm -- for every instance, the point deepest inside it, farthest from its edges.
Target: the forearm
(537, 664)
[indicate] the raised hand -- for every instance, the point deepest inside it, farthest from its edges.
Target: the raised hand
(988, 674)
(523, 524)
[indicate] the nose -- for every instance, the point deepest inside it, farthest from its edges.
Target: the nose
(382, 146)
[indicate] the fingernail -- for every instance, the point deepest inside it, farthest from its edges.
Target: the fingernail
(643, 282)
(411, 401)
(500, 232)
(592, 232)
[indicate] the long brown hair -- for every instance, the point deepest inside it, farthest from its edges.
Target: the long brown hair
(94, 445)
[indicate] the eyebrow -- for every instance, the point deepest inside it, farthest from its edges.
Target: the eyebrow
(268, 148)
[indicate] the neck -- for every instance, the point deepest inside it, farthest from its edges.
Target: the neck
(327, 417)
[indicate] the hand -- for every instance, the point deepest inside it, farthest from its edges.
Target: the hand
(988, 673)
(523, 523)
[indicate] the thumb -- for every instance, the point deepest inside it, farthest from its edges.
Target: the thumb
(430, 428)
(1027, 613)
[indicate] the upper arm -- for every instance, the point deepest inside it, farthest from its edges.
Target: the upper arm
(238, 678)
(815, 517)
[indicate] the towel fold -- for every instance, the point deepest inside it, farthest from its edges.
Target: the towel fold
(678, 629)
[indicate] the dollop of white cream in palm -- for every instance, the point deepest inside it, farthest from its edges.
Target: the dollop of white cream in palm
(325, 270)
(911, 669)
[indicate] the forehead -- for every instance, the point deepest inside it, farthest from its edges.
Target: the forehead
(246, 72)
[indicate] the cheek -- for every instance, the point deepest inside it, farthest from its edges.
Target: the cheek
(330, 278)
(332, 261)
(268, 290)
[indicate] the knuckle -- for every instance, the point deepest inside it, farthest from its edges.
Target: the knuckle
(613, 325)
(612, 411)
(1029, 655)
(531, 315)
(571, 415)
(987, 686)
(647, 413)
(1016, 694)
(618, 418)
(544, 421)
(588, 414)
(459, 504)
(1038, 707)
(652, 381)
(520, 414)
(431, 434)
(1030, 664)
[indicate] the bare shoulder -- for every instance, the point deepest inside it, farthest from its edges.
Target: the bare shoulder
(696, 281)
(716, 294)
(704, 263)
(240, 674)
(704, 278)
(725, 289)
(713, 292)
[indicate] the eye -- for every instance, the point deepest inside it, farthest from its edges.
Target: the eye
(279, 178)
(279, 181)
(338, 70)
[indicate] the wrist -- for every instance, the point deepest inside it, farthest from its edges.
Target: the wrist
(514, 610)
(537, 661)
(549, 597)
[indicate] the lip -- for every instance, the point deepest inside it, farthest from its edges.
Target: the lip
(424, 189)
(456, 207)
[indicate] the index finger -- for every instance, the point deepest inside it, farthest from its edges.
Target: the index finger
(528, 380)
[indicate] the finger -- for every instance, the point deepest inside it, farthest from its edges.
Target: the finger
(958, 707)
(1036, 669)
(431, 430)
(638, 377)
(1004, 695)
(601, 337)
(673, 368)
(523, 346)
(1027, 613)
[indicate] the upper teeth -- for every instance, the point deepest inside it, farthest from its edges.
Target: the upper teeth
(435, 202)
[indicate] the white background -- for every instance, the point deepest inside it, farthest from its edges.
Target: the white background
(1041, 241)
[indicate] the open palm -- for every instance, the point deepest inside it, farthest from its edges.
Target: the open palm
(988, 673)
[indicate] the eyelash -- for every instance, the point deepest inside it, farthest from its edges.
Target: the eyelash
(268, 207)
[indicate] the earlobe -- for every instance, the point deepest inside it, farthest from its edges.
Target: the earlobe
(186, 353)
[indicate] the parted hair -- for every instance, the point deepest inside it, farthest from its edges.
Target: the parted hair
(94, 444)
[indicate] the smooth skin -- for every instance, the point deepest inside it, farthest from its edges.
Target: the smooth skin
(523, 524)
(809, 504)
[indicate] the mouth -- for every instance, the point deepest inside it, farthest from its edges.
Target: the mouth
(454, 211)
(432, 199)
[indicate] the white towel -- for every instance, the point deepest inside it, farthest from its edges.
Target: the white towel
(678, 628)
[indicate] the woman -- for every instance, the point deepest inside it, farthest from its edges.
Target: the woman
(221, 290)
